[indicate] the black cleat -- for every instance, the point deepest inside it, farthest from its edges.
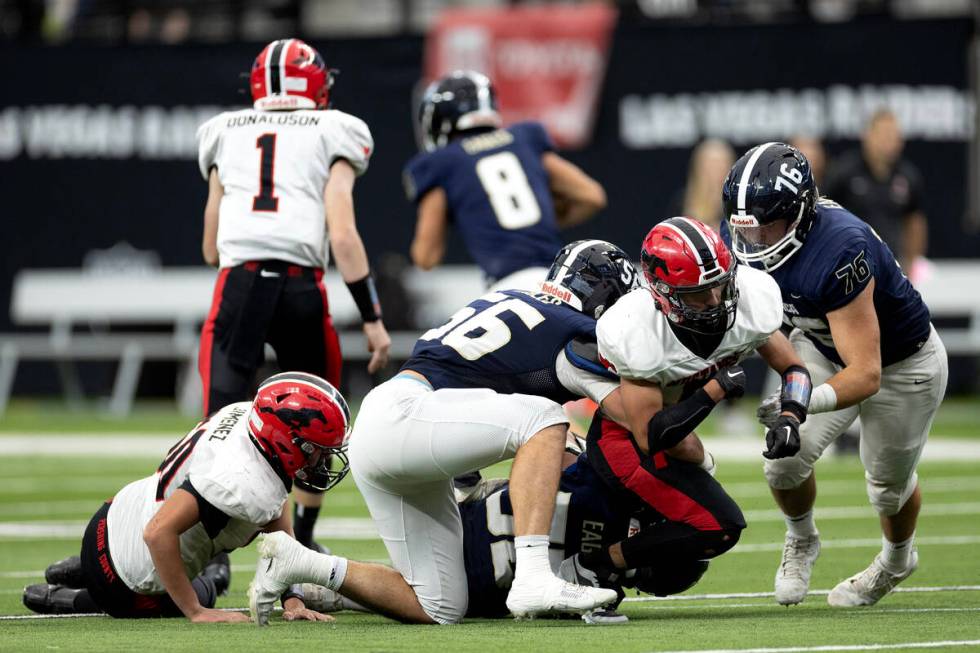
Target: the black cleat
(219, 571)
(67, 572)
(45, 598)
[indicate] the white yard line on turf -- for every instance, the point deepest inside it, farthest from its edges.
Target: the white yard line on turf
(838, 647)
(93, 445)
(765, 595)
(861, 543)
(930, 485)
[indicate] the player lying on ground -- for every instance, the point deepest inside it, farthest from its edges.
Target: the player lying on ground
(589, 516)
(225, 482)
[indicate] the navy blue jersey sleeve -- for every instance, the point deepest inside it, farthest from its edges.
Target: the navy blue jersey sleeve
(421, 175)
(534, 134)
(851, 272)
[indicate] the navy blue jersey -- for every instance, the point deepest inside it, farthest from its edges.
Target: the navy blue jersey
(498, 196)
(506, 341)
(838, 260)
(587, 517)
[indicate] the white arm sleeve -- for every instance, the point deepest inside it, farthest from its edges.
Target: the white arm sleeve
(582, 383)
(208, 138)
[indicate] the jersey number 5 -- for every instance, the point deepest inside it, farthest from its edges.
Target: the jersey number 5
(510, 195)
(266, 200)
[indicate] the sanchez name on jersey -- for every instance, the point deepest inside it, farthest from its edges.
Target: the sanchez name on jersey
(511, 342)
(840, 257)
(636, 341)
(498, 195)
(237, 493)
(274, 167)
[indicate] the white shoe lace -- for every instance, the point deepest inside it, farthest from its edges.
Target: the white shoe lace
(795, 552)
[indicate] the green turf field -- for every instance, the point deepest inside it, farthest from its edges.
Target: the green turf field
(44, 502)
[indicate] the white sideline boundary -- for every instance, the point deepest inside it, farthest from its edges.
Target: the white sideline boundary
(114, 445)
(766, 595)
(837, 647)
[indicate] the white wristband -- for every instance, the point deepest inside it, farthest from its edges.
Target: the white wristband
(822, 400)
(708, 464)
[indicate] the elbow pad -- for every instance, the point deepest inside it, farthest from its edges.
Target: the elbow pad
(795, 394)
(672, 424)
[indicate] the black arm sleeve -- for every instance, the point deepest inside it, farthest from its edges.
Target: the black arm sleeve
(210, 517)
(672, 424)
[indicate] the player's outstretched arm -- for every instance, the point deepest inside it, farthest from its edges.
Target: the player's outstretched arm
(431, 229)
(578, 196)
(352, 260)
(209, 243)
(162, 537)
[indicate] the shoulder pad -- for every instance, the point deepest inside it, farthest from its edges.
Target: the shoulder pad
(584, 354)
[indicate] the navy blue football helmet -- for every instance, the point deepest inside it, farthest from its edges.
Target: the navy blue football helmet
(590, 275)
(461, 101)
(769, 200)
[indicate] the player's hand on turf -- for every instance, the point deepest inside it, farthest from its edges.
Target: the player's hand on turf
(303, 613)
(732, 381)
(769, 409)
(212, 616)
(783, 439)
(379, 343)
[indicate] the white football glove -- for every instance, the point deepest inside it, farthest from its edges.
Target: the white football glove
(769, 409)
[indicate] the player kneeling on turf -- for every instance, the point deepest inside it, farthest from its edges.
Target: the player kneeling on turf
(145, 553)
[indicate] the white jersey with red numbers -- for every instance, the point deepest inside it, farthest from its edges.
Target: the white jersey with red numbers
(273, 166)
(636, 341)
(237, 492)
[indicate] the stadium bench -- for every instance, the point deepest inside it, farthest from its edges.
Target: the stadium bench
(177, 299)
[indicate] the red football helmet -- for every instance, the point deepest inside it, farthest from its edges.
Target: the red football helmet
(302, 421)
(691, 274)
(289, 74)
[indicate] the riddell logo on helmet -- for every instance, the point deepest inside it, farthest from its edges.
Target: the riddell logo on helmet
(743, 221)
(556, 291)
(280, 102)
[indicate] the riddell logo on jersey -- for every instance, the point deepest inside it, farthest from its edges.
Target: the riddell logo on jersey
(556, 291)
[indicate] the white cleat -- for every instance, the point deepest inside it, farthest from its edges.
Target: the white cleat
(548, 594)
(274, 573)
(793, 575)
(871, 585)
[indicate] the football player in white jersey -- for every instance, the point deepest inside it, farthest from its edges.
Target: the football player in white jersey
(221, 485)
(676, 345)
(281, 177)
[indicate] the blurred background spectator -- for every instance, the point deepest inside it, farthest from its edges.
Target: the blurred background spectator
(710, 162)
(812, 149)
(881, 187)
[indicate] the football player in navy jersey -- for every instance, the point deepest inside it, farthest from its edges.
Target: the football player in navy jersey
(478, 390)
(505, 189)
(864, 333)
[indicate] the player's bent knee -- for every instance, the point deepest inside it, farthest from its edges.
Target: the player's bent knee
(443, 613)
(787, 473)
(888, 498)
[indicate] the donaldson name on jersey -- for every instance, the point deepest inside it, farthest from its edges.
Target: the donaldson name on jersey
(840, 257)
(497, 194)
(274, 166)
(637, 342)
(237, 491)
(587, 517)
(506, 341)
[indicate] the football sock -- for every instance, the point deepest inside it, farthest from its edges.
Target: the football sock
(895, 556)
(532, 555)
(319, 568)
(304, 519)
(802, 526)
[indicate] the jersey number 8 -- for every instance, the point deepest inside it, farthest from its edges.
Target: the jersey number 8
(510, 195)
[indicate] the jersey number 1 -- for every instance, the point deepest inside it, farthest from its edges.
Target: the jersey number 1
(266, 200)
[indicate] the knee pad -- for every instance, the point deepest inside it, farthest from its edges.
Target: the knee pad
(787, 473)
(888, 497)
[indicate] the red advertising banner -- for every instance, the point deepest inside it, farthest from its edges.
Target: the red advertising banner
(546, 62)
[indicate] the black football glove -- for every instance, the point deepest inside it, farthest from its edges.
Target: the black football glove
(732, 381)
(783, 439)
